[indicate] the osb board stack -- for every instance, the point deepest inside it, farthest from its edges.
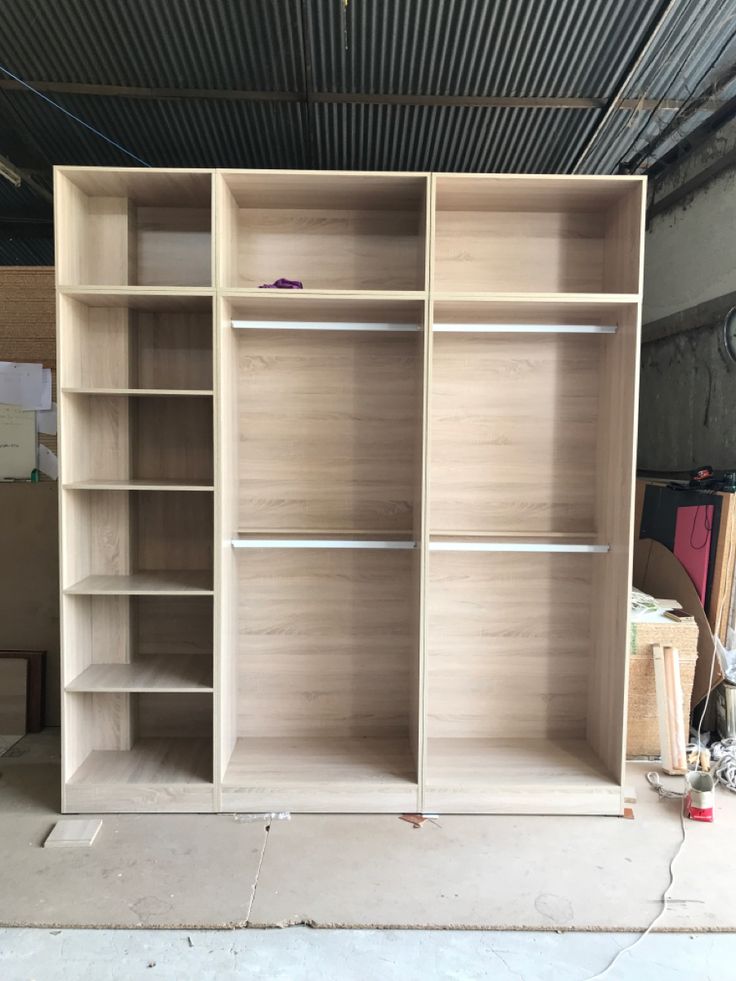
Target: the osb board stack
(643, 731)
(28, 321)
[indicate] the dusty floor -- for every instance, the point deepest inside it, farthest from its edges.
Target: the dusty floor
(492, 873)
(301, 954)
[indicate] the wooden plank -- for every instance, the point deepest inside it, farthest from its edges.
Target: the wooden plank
(165, 583)
(74, 833)
(157, 672)
(669, 709)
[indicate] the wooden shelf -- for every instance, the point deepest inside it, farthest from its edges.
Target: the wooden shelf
(171, 299)
(174, 673)
(321, 774)
(150, 761)
(140, 392)
(321, 297)
(518, 776)
(139, 485)
(157, 583)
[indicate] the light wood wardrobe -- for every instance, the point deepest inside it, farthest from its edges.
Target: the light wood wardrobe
(364, 546)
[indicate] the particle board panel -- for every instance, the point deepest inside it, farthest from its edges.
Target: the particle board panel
(150, 761)
(157, 672)
(612, 573)
(529, 252)
(320, 774)
(325, 643)
(518, 776)
(514, 432)
(508, 645)
(327, 430)
(73, 833)
(152, 582)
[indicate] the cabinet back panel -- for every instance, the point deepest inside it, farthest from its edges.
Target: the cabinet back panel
(173, 438)
(329, 427)
(326, 641)
(508, 645)
(173, 624)
(348, 250)
(173, 350)
(173, 530)
(505, 251)
(513, 433)
(173, 247)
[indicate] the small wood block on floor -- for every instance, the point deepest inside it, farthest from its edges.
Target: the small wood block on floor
(74, 833)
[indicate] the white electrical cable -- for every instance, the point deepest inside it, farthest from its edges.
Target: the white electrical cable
(667, 795)
(724, 753)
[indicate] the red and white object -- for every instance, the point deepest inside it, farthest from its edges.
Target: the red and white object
(700, 796)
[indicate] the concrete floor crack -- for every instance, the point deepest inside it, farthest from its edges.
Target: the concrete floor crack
(266, 833)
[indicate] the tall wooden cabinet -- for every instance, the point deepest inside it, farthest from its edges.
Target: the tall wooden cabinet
(363, 546)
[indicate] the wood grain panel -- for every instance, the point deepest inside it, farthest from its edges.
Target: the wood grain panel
(528, 252)
(518, 776)
(173, 438)
(321, 774)
(513, 433)
(325, 643)
(508, 645)
(331, 249)
(172, 530)
(612, 572)
(328, 430)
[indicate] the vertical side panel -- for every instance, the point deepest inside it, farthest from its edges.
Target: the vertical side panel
(618, 419)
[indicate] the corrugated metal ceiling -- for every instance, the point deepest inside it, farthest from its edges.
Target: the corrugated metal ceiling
(233, 56)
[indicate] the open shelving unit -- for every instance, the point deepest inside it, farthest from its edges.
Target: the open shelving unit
(362, 546)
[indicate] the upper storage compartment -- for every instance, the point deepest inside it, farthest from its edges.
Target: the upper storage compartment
(537, 234)
(134, 227)
(330, 231)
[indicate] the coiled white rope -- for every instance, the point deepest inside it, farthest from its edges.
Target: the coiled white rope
(723, 755)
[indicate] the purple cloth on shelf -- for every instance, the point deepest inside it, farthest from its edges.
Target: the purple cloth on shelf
(283, 284)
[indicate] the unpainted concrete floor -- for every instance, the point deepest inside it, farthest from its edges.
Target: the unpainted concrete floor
(212, 876)
(301, 954)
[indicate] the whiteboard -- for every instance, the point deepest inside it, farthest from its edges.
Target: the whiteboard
(17, 442)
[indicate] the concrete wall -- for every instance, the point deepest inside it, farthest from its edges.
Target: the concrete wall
(688, 385)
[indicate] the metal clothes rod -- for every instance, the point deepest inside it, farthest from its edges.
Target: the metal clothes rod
(513, 547)
(322, 325)
(320, 543)
(524, 328)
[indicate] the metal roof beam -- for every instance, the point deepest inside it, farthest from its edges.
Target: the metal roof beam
(363, 98)
(17, 176)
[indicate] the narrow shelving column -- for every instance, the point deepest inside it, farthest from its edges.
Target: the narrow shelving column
(134, 301)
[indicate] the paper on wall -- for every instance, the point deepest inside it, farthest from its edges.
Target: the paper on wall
(48, 462)
(46, 421)
(17, 442)
(25, 384)
(21, 383)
